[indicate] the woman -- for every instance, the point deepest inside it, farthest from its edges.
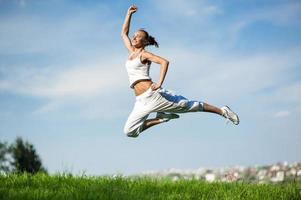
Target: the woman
(150, 97)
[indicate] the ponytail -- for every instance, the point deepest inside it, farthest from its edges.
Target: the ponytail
(150, 40)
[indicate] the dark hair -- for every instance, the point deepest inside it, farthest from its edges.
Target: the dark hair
(149, 39)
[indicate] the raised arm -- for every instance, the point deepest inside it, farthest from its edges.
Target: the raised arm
(126, 28)
(163, 70)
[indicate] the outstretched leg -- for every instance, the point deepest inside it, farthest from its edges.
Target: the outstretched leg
(206, 108)
(224, 111)
(212, 109)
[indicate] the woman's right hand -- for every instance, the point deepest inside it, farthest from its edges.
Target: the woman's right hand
(132, 9)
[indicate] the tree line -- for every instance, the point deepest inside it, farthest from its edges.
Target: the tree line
(19, 157)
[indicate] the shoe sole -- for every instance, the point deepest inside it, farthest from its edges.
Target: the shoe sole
(171, 116)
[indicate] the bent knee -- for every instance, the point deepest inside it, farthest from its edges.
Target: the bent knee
(131, 132)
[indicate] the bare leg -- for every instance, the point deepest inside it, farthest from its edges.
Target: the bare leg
(155, 121)
(151, 122)
(212, 109)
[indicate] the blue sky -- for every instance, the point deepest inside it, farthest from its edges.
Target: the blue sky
(64, 88)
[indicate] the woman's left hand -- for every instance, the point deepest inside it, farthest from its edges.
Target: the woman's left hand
(155, 86)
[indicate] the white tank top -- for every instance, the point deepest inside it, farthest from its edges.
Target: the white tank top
(137, 70)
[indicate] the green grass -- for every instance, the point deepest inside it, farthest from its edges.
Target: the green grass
(42, 186)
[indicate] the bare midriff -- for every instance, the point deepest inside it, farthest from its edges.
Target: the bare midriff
(141, 86)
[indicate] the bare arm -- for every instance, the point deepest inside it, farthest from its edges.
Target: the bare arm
(163, 70)
(126, 28)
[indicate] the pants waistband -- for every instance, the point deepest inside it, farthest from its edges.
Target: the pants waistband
(145, 94)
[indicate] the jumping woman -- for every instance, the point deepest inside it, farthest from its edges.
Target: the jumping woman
(150, 97)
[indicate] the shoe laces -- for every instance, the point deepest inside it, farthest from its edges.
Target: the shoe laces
(226, 115)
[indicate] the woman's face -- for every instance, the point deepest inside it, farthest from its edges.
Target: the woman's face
(138, 39)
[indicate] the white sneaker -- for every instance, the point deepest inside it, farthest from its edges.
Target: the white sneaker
(230, 115)
(165, 117)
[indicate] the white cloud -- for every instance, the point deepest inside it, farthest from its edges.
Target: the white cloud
(289, 93)
(80, 81)
(39, 33)
(283, 15)
(76, 85)
(281, 114)
(52, 105)
(287, 14)
(60, 61)
(190, 24)
(215, 74)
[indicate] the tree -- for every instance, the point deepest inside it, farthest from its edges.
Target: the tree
(25, 158)
(4, 164)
